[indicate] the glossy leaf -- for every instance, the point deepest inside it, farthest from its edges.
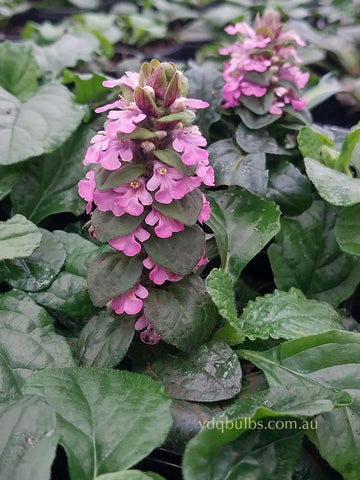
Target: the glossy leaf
(88, 87)
(112, 274)
(220, 287)
(255, 141)
(347, 230)
(28, 440)
(129, 475)
(206, 82)
(253, 121)
(28, 341)
(106, 225)
(335, 187)
(9, 176)
(289, 188)
(243, 224)
(348, 147)
(180, 253)
(18, 238)
(209, 374)
(258, 105)
(79, 252)
(67, 295)
(186, 210)
(231, 167)
(183, 314)
(287, 315)
(103, 417)
(37, 126)
(50, 186)
(311, 142)
(36, 272)
(105, 339)
(330, 360)
(106, 179)
(19, 70)
(305, 255)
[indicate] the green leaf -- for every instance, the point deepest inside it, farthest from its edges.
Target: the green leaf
(326, 88)
(105, 339)
(106, 179)
(179, 253)
(243, 224)
(129, 475)
(184, 314)
(333, 186)
(209, 374)
(107, 225)
(170, 157)
(19, 70)
(65, 52)
(206, 82)
(347, 230)
(328, 359)
(79, 252)
(50, 186)
(231, 167)
(347, 150)
(88, 86)
(186, 210)
(253, 121)
(18, 238)
(220, 287)
(37, 126)
(287, 315)
(258, 105)
(305, 255)
(28, 440)
(255, 141)
(28, 341)
(108, 420)
(139, 133)
(184, 117)
(289, 188)
(9, 176)
(36, 272)
(310, 143)
(67, 295)
(112, 274)
(260, 435)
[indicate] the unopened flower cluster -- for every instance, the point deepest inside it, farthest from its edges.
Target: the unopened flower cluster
(264, 61)
(152, 116)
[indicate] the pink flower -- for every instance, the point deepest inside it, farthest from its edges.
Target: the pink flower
(205, 173)
(107, 149)
(206, 210)
(105, 201)
(132, 196)
(130, 243)
(203, 261)
(117, 104)
(130, 302)
(149, 335)
(250, 88)
(130, 79)
(189, 141)
(159, 274)
(165, 226)
(125, 120)
(171, 183)
(86, 189)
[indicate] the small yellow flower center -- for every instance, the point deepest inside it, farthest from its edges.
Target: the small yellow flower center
(131, 294)
(162, 170)
(135, 184)
(163, 216)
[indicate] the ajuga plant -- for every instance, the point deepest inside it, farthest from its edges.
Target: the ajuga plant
(149, 163)
(262, 77)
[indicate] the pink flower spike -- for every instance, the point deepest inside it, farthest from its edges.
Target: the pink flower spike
(159, 274)
(130, 302)
(206, 210)
(171, 183)
(125, 120)
(86, 189)
(189, 141)
(130, 244)
(132, 196)
(165, 226)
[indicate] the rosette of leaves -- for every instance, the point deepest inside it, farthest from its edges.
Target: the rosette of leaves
(150, 163)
